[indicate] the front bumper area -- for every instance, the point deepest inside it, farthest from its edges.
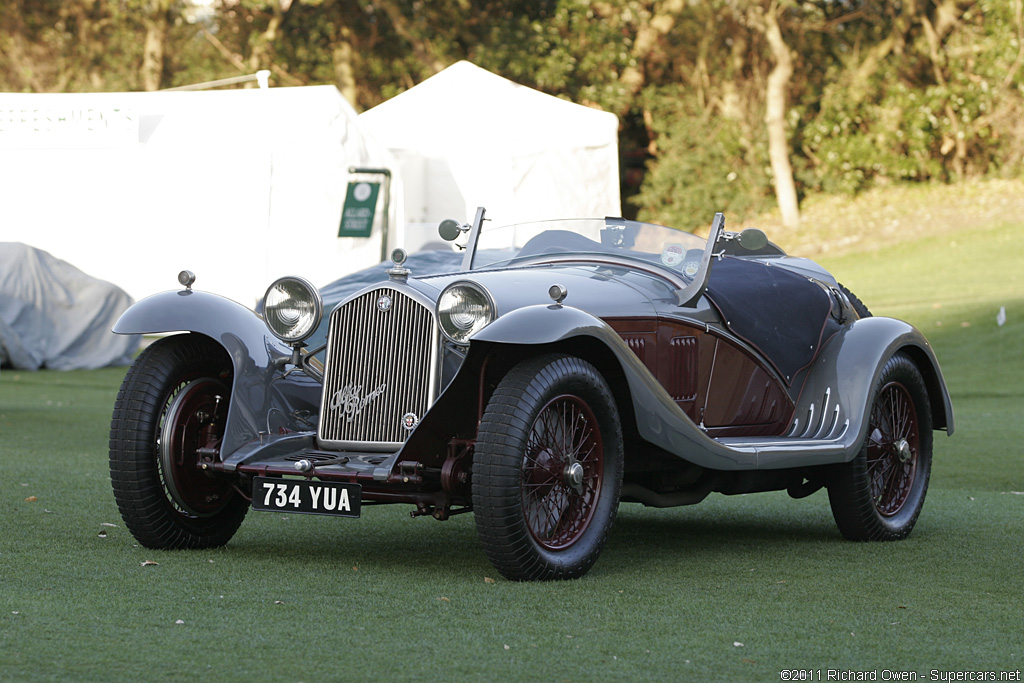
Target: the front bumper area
(382, 476)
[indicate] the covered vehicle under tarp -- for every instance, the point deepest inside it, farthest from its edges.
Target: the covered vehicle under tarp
(52, 315)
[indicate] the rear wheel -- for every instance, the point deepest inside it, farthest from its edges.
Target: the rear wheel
(170, 414)
(857, 304)
(547, 469)
(879, 494)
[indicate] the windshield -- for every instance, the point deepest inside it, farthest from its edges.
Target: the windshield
(498, 246)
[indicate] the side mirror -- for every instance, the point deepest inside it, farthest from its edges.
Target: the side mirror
(449, 229)
(753, 239)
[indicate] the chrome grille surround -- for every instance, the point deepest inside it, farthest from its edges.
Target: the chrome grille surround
(380, 367)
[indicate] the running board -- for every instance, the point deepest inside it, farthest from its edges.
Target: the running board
(819, 435)
(771, 453)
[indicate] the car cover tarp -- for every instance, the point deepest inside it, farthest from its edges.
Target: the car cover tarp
(55, 316)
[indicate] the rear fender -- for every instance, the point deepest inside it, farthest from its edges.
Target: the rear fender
(263, 400)
(849, 366)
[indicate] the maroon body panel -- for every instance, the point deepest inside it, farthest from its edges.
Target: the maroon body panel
(715, 381)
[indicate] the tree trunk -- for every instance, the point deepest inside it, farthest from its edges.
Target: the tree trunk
(775, 119)
(89, 18)
(16, 51)
(343, 56)
(648, 34)
(945, 20)
(152, 69)
(858, 78)
(732, 105)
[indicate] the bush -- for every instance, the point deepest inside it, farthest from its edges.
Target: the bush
(703, 164)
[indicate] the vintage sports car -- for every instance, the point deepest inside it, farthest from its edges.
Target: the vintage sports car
(553, 371)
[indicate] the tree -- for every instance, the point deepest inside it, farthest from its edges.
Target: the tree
(775, 115)
(156, 19)
(736, 103)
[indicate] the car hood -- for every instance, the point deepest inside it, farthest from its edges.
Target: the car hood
(605, 291)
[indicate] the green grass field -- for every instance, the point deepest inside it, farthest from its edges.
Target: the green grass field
(734, 588)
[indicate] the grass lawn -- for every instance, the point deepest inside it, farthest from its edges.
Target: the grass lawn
(734, 588)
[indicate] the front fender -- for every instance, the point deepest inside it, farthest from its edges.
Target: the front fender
(658, 419)
(188, 310)
(542, 324)
(262, 399)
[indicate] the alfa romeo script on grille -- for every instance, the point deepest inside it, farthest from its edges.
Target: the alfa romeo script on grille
(306, 497)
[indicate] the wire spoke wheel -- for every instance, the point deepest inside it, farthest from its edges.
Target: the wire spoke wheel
(547, 469)
(893, 449)
(562, 470)
(879, 494)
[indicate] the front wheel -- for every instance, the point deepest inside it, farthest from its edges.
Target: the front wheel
(879, 494)
(547, 469)
(168, 416)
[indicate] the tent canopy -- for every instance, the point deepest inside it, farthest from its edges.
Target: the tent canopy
(239, 186)
(466, 137)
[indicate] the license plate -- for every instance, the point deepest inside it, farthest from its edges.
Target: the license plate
(306, 497)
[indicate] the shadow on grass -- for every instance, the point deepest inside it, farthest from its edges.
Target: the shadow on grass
(721, 530)
(683, 529)
(386, 539)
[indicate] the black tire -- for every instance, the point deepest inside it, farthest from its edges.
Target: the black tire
(173, 401)
(878, 495)
(547, 469)
(858, 305)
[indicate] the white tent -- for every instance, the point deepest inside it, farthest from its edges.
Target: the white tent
(239, 186)
(465, 138)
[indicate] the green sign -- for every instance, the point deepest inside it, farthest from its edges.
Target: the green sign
(360, 206)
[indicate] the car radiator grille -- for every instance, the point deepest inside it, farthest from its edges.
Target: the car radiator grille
(379, 370)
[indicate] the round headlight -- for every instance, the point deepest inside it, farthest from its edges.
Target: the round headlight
(463, 310)
(292, 309)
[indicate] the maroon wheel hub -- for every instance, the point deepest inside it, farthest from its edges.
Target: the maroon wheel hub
(192, 429)
(893, 449)
(562, 472)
